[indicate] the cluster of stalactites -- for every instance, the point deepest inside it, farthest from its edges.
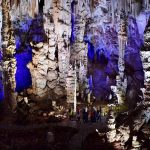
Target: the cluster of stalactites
(146, 5)
(25, 7)
(15, 2)
(132, 7)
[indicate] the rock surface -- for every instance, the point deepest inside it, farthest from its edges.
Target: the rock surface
(132, 128)
(51, 35)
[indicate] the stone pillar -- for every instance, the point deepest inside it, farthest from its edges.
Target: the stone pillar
(70, 85)
(38, 68)
(8, 51)
(122, 36)
(51, 59)
(63, 59)
(75, 89)
(51, 46)
(62, 21)
(79, 47)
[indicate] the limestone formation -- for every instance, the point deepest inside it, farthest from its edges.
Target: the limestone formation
(8, 51)
(129, 126)
(70, 84)
(122, 37)
(51, 35)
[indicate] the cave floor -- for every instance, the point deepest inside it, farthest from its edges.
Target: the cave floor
(32, 133)
(68, 134)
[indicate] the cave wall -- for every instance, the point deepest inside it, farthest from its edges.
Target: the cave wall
(45, 37)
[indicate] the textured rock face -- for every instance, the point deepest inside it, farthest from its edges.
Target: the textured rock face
(146, 61)
(106, 44)
(8, 50)
(50, 35)
(131, 128)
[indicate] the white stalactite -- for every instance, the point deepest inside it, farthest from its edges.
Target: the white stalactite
(75, 89)
(113, 10)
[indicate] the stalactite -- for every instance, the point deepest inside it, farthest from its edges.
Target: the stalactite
(75, 88)
(146, 4)
(122, 36)
(70, 84)
(33, 7)
(113, 10)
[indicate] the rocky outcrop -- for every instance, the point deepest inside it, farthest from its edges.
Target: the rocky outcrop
(50, 46)
(131, 127)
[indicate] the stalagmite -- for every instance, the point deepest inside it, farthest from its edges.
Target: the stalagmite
(71, 85)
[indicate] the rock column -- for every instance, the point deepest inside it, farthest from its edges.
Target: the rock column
(38, 69)
(70, 85)
(9, 62)
(79, 47)
(121, 85)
